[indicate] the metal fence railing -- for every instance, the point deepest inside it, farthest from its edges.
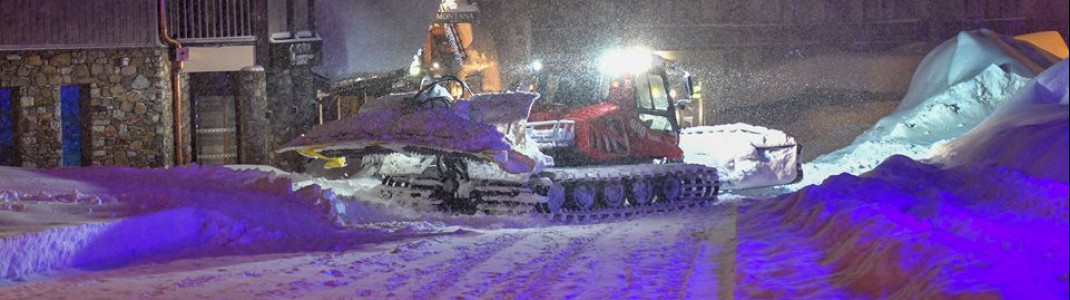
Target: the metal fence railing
(211, 20)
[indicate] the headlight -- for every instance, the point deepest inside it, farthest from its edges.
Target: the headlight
(536, 65)
(633, 60)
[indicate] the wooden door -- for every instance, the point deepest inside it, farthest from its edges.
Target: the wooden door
(216, 129)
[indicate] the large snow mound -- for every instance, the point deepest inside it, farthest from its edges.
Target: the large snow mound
(965, 56)
(958, 85)
(988, 219)
(202, 210)
(911, 230)
(194, 212)
(1029, 133)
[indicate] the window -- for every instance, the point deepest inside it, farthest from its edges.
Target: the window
(570, 88)
(656, 122)
(7, 128)
(658, 93)
(642, 93)
(290, 19)
(653, 102)
(70, 112)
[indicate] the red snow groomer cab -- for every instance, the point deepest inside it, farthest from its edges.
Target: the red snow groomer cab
(621, 110)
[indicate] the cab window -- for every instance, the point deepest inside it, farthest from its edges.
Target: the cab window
(642, 93)
(653, 102)
(568, 87)
(656, 122)
(658, 93)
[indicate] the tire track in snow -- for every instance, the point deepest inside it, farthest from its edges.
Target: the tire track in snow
(679, 264)
(693, 244)
(606, 274)
(528, 279)
(467, 257)
(485, 278)
(552, 271)
(664, 270)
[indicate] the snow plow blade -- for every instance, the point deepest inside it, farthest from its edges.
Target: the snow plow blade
(745, 156)
(488, 126)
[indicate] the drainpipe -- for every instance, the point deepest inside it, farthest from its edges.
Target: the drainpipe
(176, 88)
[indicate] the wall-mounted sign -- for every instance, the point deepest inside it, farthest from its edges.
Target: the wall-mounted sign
(295, 53)
(182, 54)
(458, 13)
(218, 59)
(301, 54)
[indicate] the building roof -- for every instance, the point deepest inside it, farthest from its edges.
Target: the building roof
(73, 24)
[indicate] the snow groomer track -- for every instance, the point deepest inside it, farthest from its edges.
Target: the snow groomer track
(576, 194)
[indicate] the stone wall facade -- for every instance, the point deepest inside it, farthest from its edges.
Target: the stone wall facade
(126, 106)
(186, 121)
(253, 133)
(293, 110)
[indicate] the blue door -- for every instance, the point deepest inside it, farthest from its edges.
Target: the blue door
(71, 110)
(7, 129)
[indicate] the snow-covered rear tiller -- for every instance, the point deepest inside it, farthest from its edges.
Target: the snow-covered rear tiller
(746, 156)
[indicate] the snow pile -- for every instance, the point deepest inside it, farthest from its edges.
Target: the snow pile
(990, 219)
(745, 155)
(197, 211)
(961, 58)
(957, 86)
(27, 255)
(175, 212)
(1035, 120)
(910, 230)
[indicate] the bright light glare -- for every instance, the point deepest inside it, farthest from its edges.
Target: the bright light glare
(447, 5)
(633, 60)
(414, 67)
(536, 65)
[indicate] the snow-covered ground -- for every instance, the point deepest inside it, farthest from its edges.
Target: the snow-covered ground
(986, 216)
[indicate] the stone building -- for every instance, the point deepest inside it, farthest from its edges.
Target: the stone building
(74, 92)
(247, 77)
(108, 83)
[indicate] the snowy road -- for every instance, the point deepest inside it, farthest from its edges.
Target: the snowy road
(673, 257)
(905, 230)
